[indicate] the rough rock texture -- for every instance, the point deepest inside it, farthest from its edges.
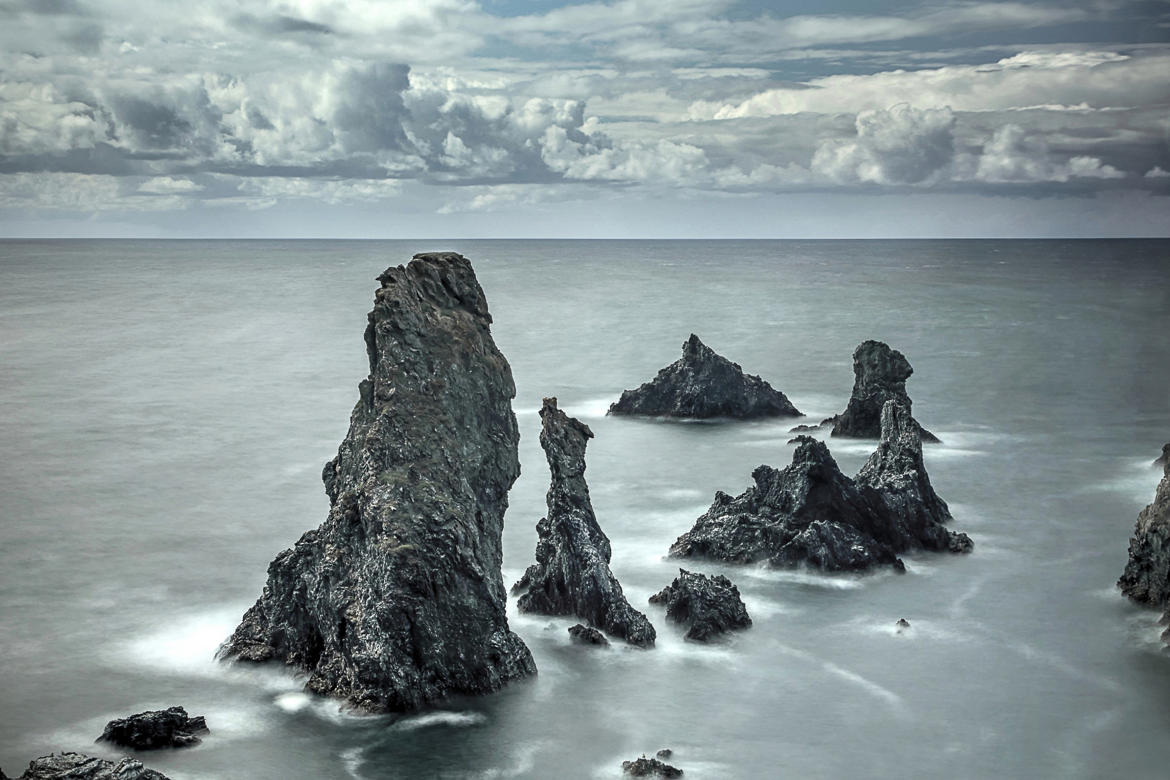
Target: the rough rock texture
(75, 766)
(701, 385)
(1147, 574)
(879, 375)
(571, 575)
(155, 729)
(397, 600)
(810, 513)
(1165, 457)
(587, 635)
(902, 625)
(649, 767)
(709, 606)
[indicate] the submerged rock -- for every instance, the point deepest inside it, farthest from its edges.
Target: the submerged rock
(902, 624)
(155, 729)
(571, 575)
(812, 514)
(703, 384)
(587, 635)
(397, 600)
(649, 767)
(664, 753)
(74, 766)
(1147, 573)
(709, 606)
(879, 375)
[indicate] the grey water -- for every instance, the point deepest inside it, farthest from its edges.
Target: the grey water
(165, 409)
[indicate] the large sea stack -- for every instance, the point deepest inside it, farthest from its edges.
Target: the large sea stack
(1147, 574)
(571, 575)
(702, 385)
(811, 514)
(879, 375)
(397, 600)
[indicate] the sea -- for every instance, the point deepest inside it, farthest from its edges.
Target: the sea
(166, 407)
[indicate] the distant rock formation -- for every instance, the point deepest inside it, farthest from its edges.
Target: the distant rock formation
(1165, 457)
(587, 635)
(1147, 574)
(708, 606)
(649, 767)
(812, 514)
(879, 375)
(169, 728)
(571, 575)
(397, 600)
(703, 385)
(76, 766)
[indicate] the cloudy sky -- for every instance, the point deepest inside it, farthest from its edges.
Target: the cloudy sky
(630, 118)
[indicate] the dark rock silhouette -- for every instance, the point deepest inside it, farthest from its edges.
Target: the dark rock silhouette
(397, 600)
(155, 729)
(571, 575)
(76, 766)
(1161, 461)
(1146, 578)
(702, 385)
(708, 606)
(587, 635)
(902, 624)
(664, 753)
(812, 514)
(879, 375)
(649, 767)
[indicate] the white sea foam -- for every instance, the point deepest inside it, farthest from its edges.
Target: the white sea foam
(592, 407)
(521, 763)
(440, 718)
(352, 760)
(871, 687)
(293, 701)
(185, 645)
(805, 577)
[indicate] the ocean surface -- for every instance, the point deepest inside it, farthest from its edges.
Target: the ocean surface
(165, 409)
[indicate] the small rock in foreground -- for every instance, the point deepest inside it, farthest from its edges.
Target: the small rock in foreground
(587, 635)
(902, 624)
(710, 606)
(649, 767)
(169, 728)
(76, 766)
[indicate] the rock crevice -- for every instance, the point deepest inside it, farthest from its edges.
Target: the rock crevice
(397, 600)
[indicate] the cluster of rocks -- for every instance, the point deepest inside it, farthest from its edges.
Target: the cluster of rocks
(571, 575)
(707, 606)
(810, 513)
(651, 767)
(397, 599)
(75, 766)
(702, 385)
(1146, 578)
(169, 728)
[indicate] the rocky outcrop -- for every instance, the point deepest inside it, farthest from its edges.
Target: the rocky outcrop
(587, 635)
(879, 375)
(649, 767)
(571, 575)
(155, 729)
(703, 385)
(1147, 574)
(812, 514)
(76, 766)
(708, 606)
(1165, 457)
(397, 600)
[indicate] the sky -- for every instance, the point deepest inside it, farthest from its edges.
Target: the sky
(622, 119)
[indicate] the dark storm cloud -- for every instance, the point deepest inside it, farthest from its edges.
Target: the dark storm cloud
(280, 24)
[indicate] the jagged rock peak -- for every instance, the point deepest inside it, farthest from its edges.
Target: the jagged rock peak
(1164, 459)
(397, 600)
(812, 514)
(879, 375)
(707, 605)
(703, 384)
(571, 575)
(1147, 573)
(70, 766)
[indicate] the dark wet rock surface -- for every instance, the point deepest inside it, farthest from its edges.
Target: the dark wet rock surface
(1146, 578)
(703, 385)
(169, 728)
(571, 575)
(708, 606)
(397, 600)
(902, 625)
(811, 514)
(879, 375)
(649, 767)
(77, 766)
(1164, 458)
(587, 635)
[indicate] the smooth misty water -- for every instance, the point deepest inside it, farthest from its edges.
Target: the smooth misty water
(165, 408)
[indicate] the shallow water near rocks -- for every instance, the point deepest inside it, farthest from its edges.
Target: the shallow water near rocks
(165, 409)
